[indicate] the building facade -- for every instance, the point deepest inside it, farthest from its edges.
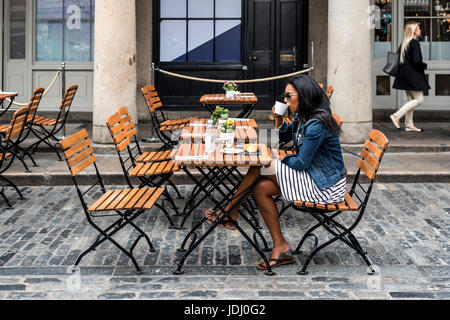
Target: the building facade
(109, 45)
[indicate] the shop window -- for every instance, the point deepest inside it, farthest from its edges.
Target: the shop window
(200, 30)
(443, 84)
(17, 29)
(383, 29)
(434, 17)
(64, 30)
(383, 86)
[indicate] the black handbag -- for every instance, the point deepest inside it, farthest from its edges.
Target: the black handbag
(391, 67)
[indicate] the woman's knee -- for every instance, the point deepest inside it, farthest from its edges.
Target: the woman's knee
(264, 188)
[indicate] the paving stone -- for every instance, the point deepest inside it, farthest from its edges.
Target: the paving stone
(410, 295)
(405, 231)
(157, 295)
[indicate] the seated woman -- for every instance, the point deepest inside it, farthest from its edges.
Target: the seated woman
(316, 173)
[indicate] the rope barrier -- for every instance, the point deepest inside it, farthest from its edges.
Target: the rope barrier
(236, 81)
(50, 86)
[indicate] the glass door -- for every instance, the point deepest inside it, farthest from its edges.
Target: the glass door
(384, 33)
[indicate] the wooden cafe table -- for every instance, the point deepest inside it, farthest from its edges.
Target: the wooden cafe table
(196, 130)
(248, 100)
(6, 95)
(214, 169)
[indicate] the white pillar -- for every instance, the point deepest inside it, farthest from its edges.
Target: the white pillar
(115, 72)
(349, 66)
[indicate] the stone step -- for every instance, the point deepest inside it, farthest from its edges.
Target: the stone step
(395, 167)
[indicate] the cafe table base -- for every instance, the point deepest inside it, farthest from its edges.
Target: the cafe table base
(220, 206)
(215, 176)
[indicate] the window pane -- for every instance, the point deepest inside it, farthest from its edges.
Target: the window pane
(18, 9)
(383, 30)
(52, 9)
(440, 7)
(383, 86)
(77, 8)
(417, 8)
(442, 29)
(443, 84)
(17, 29)
(228, 9)
(228, 40)
(49, 40)
(77, 43)
(173, 40)
(173, 9)
(201, 9)
(201, 43)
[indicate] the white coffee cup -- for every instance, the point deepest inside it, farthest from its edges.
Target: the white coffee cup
(280, 108)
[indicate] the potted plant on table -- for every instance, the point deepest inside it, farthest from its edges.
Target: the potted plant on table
(220, 113)
(227, 132)
(230, 88)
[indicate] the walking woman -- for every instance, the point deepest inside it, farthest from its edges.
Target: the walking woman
(410, 76)
(316, 173)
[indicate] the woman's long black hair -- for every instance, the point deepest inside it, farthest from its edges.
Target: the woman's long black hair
(313, 103)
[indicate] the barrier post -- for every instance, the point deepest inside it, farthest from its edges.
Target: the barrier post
(152, 138)
(63, 90)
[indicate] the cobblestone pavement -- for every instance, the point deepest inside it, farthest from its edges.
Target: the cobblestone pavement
(405, 231)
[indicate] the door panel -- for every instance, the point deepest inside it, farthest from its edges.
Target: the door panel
(260, 48)
(15, 70)
(277, 44)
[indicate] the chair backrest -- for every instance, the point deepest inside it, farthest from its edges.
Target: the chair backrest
(122, 129)
(151, 98)
(17, 124)
(338, 120)
(78, 152)
(80, 155)
(372, 153)
(68, 97)
(369, 163)
(330, 91)
(34, 103)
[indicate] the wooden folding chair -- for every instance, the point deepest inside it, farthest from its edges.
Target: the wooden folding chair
(165, 129)
(46, 129)
(8, 147)
(124, 204)
(154, 173)
(5, 130)
(355, 201)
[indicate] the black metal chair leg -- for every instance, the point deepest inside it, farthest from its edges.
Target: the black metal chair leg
(176, 189)
(12, 184)
(172, 224)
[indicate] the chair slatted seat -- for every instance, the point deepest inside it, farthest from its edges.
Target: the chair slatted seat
(155, 156)
(164, 127)
(46, 129)
(152, 172)
(356, 200)
(125, 204)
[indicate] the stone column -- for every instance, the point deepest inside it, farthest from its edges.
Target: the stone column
(115, 72)
(349, 66)
(144, 38)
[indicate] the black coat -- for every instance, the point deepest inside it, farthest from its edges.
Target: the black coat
(411, 73)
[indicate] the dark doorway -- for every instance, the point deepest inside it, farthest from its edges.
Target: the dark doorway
(272, 40)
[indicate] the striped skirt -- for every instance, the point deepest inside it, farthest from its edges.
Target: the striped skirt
(299, 186)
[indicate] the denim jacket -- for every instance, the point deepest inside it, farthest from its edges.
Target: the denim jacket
(318, 151)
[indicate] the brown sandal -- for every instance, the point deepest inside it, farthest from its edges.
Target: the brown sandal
(284, 259)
